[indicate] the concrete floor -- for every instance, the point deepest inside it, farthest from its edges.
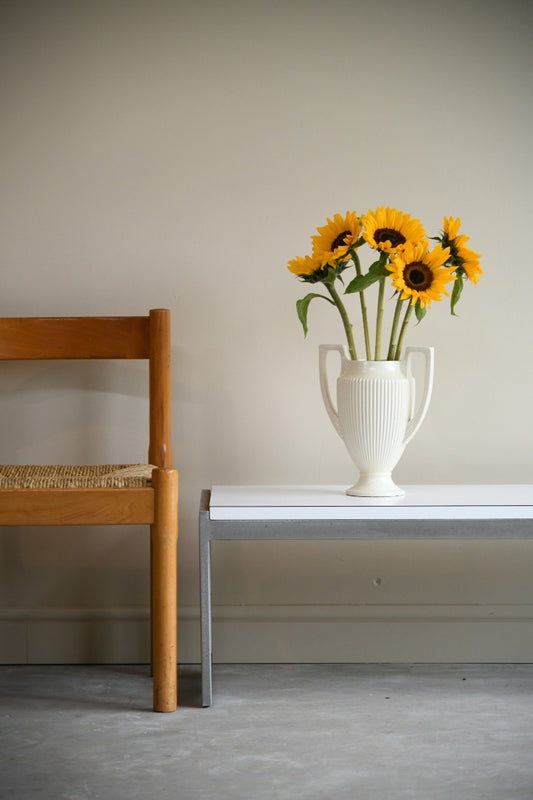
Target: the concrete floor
(275, 732)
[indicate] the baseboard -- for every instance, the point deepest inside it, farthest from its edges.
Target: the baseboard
(276, 634)
(74, 636)
(377, 633)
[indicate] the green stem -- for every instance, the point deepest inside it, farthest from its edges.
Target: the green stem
(403, 331)
(379, 318)
(363, 309)
(394, 329)
(345, 320)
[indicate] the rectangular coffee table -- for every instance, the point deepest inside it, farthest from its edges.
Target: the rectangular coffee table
(326, 512)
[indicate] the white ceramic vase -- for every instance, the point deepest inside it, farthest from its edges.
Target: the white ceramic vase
(375, 414)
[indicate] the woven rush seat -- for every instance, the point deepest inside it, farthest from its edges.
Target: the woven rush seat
(102, 476)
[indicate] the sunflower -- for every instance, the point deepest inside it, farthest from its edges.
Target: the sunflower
(390, 230)
(419, 274)
(461, 255)
(335, 239)
(307, 268)
(470, 263)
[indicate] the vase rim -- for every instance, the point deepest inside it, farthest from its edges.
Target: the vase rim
(361, 366)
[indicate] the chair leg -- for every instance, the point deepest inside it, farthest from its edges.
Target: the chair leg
(164, 539)
(152, 582)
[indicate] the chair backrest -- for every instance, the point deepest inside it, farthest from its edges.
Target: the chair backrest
(24, 338)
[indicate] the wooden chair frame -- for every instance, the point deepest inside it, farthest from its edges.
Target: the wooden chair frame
(146, 337)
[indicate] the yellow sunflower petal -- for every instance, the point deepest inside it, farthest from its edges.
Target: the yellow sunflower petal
(451, 226)
(470, 264)
(304, 266)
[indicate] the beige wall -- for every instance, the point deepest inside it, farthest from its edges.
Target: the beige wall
(178, 154)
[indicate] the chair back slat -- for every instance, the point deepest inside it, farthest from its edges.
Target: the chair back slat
(74, 337)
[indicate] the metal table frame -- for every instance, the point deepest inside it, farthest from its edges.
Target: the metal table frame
(492, 519)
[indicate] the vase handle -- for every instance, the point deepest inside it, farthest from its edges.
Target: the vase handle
(416, 419)
(323, 351)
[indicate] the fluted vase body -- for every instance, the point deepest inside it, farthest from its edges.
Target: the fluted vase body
(375, 414)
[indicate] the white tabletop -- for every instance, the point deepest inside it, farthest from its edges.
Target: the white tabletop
(482, 501)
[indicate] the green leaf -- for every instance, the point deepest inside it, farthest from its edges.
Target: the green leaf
(378, 267)
(359, 284)
(420, 312)
(376, 272)
(302, 308)
(457, 290)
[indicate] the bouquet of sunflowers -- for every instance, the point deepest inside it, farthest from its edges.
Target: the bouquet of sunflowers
(403, 256)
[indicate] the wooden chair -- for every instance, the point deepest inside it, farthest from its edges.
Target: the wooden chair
(109, 494)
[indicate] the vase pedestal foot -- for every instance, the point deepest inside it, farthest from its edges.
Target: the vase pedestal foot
(375, 485)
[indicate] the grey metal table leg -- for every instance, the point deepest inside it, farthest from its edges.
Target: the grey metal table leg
(205, 603)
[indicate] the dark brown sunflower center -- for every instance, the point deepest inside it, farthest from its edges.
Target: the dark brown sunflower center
(418, 276)
(389, 235)
(339, 240)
